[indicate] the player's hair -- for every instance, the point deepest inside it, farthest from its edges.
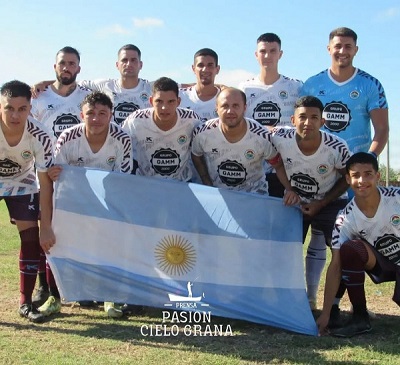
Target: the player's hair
(233, 89)
(309, 101)
(15, 88)
(343, 32)
(68, 49)
(206, 52)
(130, 47)
(363, 158)
(269, 37)
(165, 84)
(97, 97)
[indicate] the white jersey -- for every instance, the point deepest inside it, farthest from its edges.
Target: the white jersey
(271, 105)
(72, 148)
(18, 163)
(162, 154)
(125, 101)
(235, 166)
(311, 176)
(205, 109)
(381, 231)
(57, 112)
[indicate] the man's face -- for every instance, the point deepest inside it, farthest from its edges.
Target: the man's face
(129, 64)
(205, 70)
(342, 51)
(67, 68)
(230, 108)
(268, 54)
(14, 112)
(308, 121)
(165, 104)
(96, 118)
(363, 179)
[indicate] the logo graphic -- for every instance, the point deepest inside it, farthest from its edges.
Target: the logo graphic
(354, 94)
(267, 113)
(283, 94)
(304, 185)
(63, 122)
(321, 93)
(144, 97)
(175, 255)
(122, 111)
(149, 139)
(26, 155)
(337, 116)
(389, 246)
(249, 154)
(232, 173)
(182, 139)
(186, 302)
(395, 219)
(322, 169)
(111, 160)
(9, 167)
(165, 161)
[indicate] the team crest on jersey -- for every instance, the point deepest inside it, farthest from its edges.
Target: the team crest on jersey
(182, 139)
(232, 173)
(267, 113)
(111, 160)
(337, 116)
(283, 94)
(122, 111)
(26, 155)
(144, 97)
(165, 161)
(395, 219)
(9, 168)
(354, 94)
(389, 246)
(64, 121)
(305, 185)
(322, 169)
(249, 154)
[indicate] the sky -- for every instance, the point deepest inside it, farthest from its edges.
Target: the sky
(169, 33)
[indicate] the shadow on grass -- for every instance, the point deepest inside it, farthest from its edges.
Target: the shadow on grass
(249, 342)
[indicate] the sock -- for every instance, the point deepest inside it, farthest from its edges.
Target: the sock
(51, 282)
(340, 293)
(315, 262)
(28, 262)
(42, 271)
(354, 256)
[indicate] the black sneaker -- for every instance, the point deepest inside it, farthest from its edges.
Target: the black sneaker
(358, 324)
(41, 295)
(132, 309)
(335, 320)
(30, 312)
(87, 303)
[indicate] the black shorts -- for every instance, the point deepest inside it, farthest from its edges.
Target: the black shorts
(22, 207)
(275, 187)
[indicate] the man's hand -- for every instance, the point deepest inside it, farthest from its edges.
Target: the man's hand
(47, 239)
(290, 198)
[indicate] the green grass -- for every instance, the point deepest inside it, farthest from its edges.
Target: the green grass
(87, 336)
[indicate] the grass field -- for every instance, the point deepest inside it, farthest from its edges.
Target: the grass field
(87, 336)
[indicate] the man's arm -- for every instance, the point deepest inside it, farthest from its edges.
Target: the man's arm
(380, 122)
(201, 167)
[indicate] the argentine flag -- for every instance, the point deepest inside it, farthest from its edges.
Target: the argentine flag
(178, 246)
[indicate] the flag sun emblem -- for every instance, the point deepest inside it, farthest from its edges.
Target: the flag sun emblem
(175, 255)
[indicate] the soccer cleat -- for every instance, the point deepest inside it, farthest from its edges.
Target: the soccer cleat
(335, 320)
(30, 312)
(112, 310)
(358, 324)
(40, 296)
(87, 303)
(132, 309)
(51, 306)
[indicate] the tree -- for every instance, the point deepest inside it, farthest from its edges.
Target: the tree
(393, 174)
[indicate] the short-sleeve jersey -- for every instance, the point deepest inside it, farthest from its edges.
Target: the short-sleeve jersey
(381, 231)
(72, 148)
(18, 163)
(205, 109)
(57, 112)
(162, 154)
(125, 101)
(314, 175)
(271, 105)
(347, 105)
(235, 166)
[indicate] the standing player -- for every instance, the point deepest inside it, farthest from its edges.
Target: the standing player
(24, 146)
(94, 143)
(365, 239)
(161, 135)
(352, 100)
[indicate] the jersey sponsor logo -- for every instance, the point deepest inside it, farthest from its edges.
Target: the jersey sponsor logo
(249, 154)
(283, 94)
(26, 155)
(389, 246)
(354, 94)
(122, 111)
(395, 219)
(111, 160)
(165, 161)
(64, 121)
(337, 116)
(322, 169)
(267, 113)
(9, 168)
(182, 139)
(232, 173)
(304, 185)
